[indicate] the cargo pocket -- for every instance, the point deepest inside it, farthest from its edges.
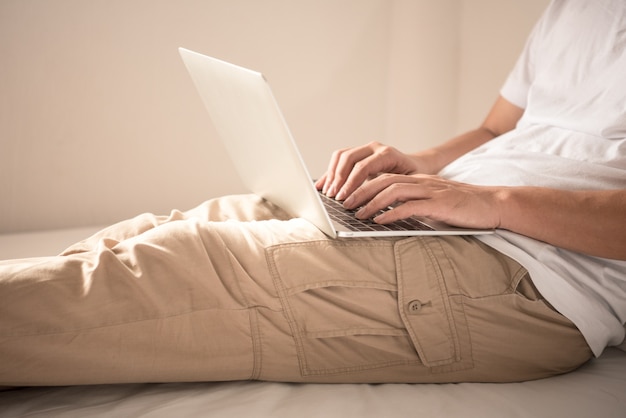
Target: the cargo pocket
(340, 299)
(434, 318)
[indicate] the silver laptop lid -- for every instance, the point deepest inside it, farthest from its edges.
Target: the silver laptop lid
(255, 135)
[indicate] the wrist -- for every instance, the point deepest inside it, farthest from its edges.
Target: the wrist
(429, 161)
(509, 206)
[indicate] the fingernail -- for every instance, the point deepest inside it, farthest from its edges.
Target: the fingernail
(359, 213)
(341, 195)
(348, 202)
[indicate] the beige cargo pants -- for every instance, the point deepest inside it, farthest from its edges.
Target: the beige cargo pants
(234, 290)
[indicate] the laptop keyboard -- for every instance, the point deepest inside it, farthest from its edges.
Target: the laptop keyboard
(346, 217)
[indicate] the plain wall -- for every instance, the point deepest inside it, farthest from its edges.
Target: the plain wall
(492, 35)
(99, 120)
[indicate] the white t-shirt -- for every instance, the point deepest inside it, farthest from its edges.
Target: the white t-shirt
(571, 81)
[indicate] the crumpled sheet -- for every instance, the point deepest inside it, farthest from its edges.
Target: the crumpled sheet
(598, 389)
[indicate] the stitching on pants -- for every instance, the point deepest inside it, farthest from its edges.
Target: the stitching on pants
(345, 283)
(517, 278)
(454, 343)
(282, 294)
(231, 257)
(116, 324)
(257, 353)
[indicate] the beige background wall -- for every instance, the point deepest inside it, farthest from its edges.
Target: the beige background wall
(99, 120)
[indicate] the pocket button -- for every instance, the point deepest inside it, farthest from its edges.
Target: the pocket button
(415, 306)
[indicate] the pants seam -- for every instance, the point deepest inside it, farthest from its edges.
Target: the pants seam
(255, 334)
(116, 324)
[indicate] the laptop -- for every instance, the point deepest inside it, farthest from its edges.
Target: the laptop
(251, 127)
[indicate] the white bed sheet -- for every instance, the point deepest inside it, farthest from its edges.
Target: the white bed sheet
(598, 389)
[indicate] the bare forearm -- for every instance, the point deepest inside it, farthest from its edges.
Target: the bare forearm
(591, 222)
(431, 161)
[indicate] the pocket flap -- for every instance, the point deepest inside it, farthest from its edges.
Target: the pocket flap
(424, 302)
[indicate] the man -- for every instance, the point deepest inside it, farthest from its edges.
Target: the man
(234, 289)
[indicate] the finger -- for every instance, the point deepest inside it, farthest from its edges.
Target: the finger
(319, 183)
(330, 171)
(405, 210)
(383, 159)
(367, 191)
(361, 171)
(377, 194)
(395, 194)
(345, 165)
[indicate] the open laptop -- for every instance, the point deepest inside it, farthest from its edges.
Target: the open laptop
(252, 128)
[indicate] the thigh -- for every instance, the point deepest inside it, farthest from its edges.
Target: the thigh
(247, 207)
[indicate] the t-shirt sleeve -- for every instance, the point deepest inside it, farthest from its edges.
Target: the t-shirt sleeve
(517, 84)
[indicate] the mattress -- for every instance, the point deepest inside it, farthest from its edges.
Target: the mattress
(597, 389)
